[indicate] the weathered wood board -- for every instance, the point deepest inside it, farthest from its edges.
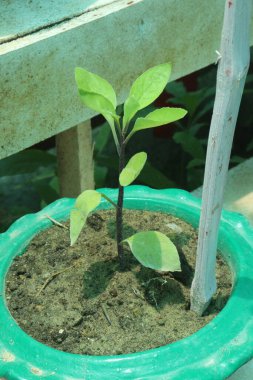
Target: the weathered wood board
(19, 18)
(118, 40)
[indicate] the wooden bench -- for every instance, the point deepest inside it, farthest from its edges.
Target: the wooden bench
(119, 39)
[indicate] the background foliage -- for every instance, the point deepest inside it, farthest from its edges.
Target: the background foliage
(176, 152)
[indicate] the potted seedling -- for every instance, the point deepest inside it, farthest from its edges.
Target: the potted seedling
(215, 351)
(152, 248)
(200, 355)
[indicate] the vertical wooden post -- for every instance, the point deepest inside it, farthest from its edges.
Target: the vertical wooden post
(75, 160)
(232, 71)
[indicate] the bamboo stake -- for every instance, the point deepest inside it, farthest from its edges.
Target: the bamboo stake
(232, 71)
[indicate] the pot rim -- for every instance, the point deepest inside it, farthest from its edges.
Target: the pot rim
(213, 352)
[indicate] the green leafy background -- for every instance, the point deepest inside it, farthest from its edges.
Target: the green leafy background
(176, 153)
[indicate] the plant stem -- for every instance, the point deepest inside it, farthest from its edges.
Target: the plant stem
(119, 216)
(108, 200)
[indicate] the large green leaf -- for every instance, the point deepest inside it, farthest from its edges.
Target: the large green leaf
(157, 118)
(93, 83)
(190, 144)
(98, 103)
(86, 202)
(101, 105)
(146, 88)
(77, 221)
(154, 250)
(132, 169)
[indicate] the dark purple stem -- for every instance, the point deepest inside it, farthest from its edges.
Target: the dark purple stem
(119, 216)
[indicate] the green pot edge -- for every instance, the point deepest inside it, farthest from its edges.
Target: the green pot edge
(214, 352)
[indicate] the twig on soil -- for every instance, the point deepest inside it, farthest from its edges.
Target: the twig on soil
(138, 293)
(105, 314)
(52, 277)
(55, 222)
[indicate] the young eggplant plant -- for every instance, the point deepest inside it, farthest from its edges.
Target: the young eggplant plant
(151, 248)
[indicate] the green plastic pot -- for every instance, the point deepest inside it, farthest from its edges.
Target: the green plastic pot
(214, 352)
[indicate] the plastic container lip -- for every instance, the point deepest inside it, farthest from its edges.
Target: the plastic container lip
(214, 352)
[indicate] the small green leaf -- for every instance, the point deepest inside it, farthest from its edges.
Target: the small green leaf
(158, 117)
(146, 88)
(154, 250)
(77, 221)
(132, 169)
(93, 83)
(86, 202)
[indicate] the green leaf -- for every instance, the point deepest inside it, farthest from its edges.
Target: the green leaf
(235, 159)
(150, 84)
(146, 88)
(158, 117)
(101, 136)
(93, 83)
(98, 103)
(77, 221)
(132, 169)
(153, 177)
(86, 202)
(101, 105)
(27, 161)
(45, 191)
(154, 250)
(196, 162)
(131, 106)
(100, 173)
(190, 144)
(249, 146)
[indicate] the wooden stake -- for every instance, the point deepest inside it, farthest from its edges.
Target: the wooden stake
(75, 160)
(232, 71)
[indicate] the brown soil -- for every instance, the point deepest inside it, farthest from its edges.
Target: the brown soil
(75, 298)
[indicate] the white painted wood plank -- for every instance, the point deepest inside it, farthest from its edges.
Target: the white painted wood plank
(18, 18)
(119, 42)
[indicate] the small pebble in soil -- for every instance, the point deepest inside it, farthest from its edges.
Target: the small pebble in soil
(59, 336)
